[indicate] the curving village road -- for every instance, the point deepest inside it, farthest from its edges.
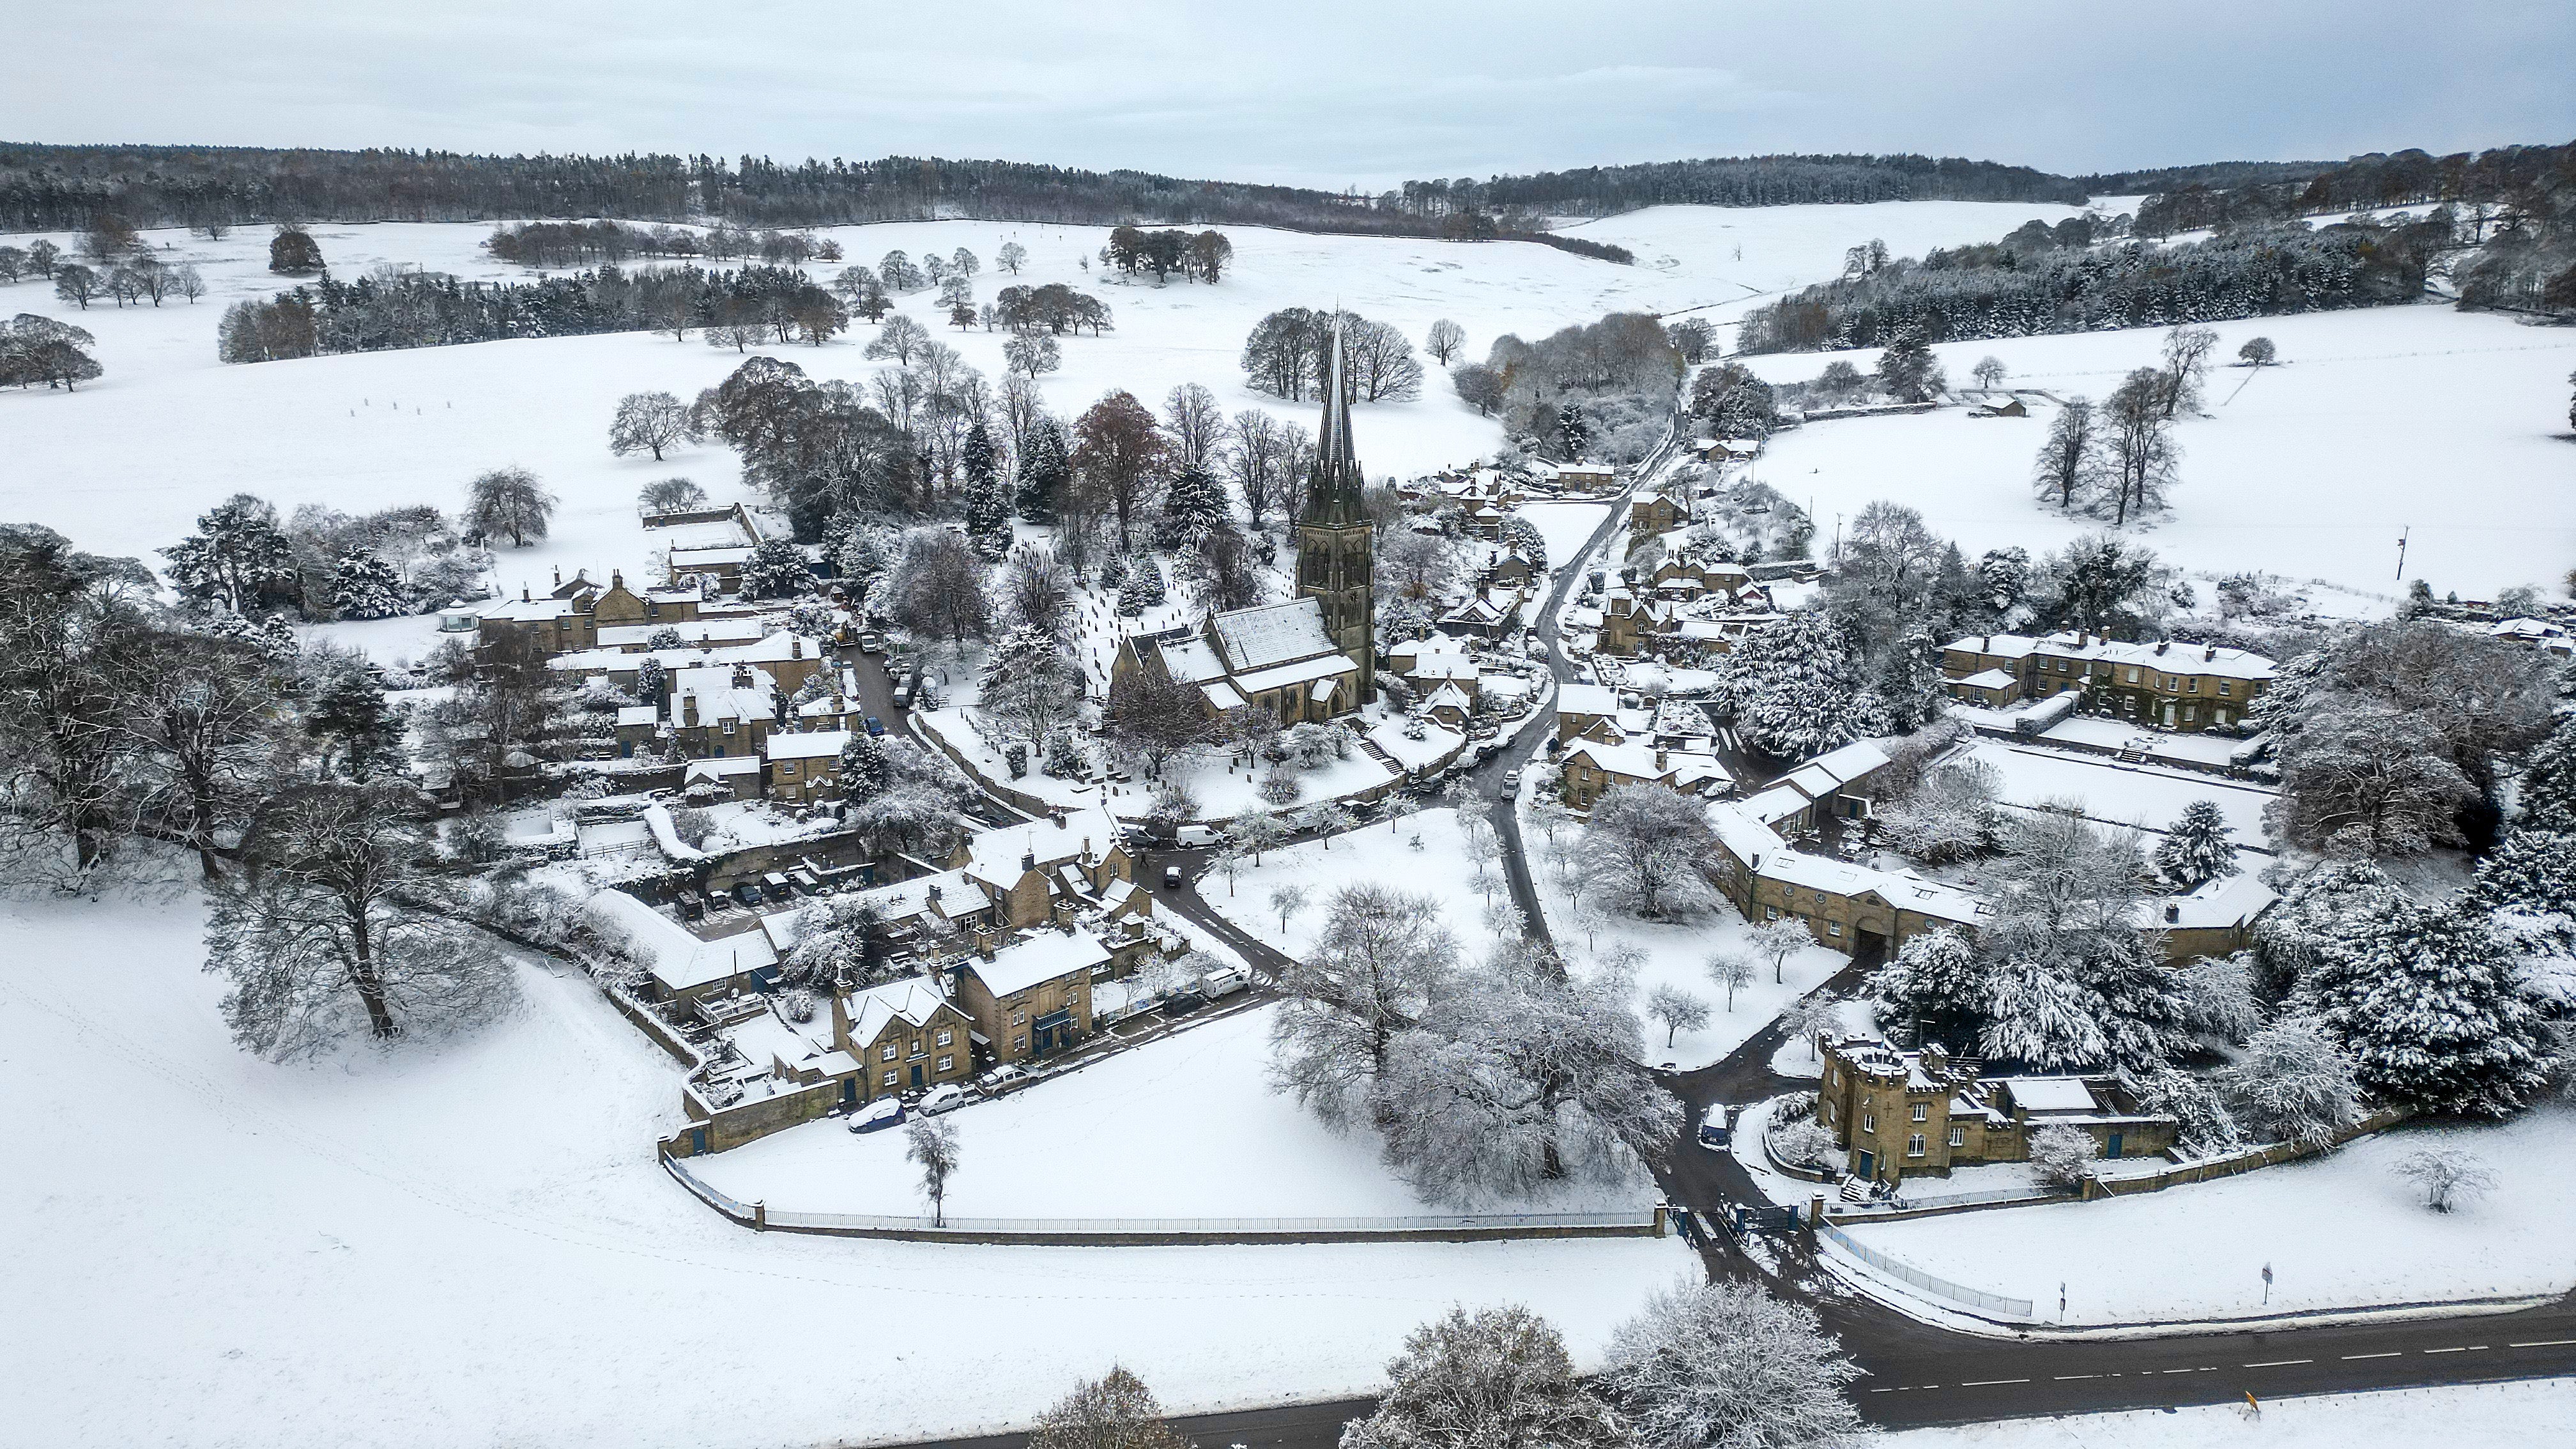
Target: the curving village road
(1916, 1373)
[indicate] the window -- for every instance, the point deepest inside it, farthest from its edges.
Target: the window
(728, 726)
(1019, 1043)
(1922, 1112)
(2191, 686)
(1020, 1018)
(946, 1036)
(787, 767)
(1958, 1136)
(947, 1063)
(1770, 913)
(2224, 689)
(918, 1049)
(1869, 1121)
(888, 1054)
(1914, 1145)
(889, 1079)
(1833, 928)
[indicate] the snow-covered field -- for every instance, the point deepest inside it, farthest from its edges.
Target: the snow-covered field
(2501, 1415)
(125, 464)
(1184, 1127)
(2383, 420)
(468, 1243)
(1565, 526)
(1385, 854)
(2341, 1231)
(2148, 796)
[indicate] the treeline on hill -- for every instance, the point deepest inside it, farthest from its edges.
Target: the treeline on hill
(395, 309)
(54, 188)
(2043, 279)
(1740, 181)
(2508, 175)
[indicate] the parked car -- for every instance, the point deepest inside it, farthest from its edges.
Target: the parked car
(1195, 837)
(1171, 877)
(1183, 1001)
(876, 726)
(946, 1097)
(692, 905)
(748, 893)
(1717, 1129)
(872, 644)
(878, 1115)
(903, 695)
(1512, 778)
(1223, 982)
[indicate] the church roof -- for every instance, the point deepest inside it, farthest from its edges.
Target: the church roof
(1272, 634)
(1333, 488)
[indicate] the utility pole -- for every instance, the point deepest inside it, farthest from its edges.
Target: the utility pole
(2401, 551)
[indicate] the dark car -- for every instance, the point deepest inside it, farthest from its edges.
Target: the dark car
(748, 893)
(692, 905)
(1184, 1001)
(876, 726)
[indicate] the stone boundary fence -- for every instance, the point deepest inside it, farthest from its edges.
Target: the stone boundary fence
(2210, 1168)
(1168, 1232)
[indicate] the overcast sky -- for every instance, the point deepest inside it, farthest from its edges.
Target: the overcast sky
(1323, 93)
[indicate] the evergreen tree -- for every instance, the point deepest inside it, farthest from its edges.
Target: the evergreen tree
(1908, 370)
(345, 711)
(988, 501)
(237, 557)
(2548, 789)
(1045, 467)
(1573, 433)
(2426, 1002)
(1936, 986)
(1194, 506)
(2197, 849)
(1143, 588)
(864, 771)
(776, 569)
(1795, 689)
(364, 586)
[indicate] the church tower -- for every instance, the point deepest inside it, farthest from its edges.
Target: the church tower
(1335, 542)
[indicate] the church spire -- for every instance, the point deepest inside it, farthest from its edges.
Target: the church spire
(1333, 489)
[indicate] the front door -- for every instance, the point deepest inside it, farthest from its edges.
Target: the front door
(1866, 1164)
(916, 1076)
(2114, 1149)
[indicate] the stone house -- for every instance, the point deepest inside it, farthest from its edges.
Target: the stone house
(1277, 657)
(1427, 663)
(806, 765)
(1899, 1114)
(788, 659)
(1032, 998)
(2183, 687)
(1653, 514)
(571, 617)
(723, 713)
(1581, 709)
(1077, 860)
(905, 1036)
(1592, 769)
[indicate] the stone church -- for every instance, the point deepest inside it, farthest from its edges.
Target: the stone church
(1311, 658)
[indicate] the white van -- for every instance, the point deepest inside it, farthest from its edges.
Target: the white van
(1195, 837)
(1224, 981)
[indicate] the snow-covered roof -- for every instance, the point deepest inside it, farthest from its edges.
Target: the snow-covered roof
(637, 714)
(1297, 671)
(717, 767)
(719, 697)
(1849, 762)
(1272, 634)
(1192, 661)
(677, 960)
(1598, 699)
(1988, 679)
(1039, 957)
(1777, 804)
(1996, 646)
(1450, 695)
(1811, 782)
(809, 745)
(2043, 1095)
(995, 855)
(1221, 695)
(912, 1001)
(691, 631)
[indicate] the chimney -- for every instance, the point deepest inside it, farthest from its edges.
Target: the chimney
(742, 676)
(795, 648)
(1059, 822)
(1028, 861)
(2163, 644)
(689, 709)
(1936, 1059)
(933, 893)
(2173, 913)
(523, 594)
(559, 576)
(617, 578)
(2208, 652)
(1661, 760)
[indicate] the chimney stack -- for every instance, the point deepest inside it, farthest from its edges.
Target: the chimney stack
(617, 578)
(795, 648)
(742, 676)
(559, 576)
(523, 594)
(2173, 913)
(1028, 861)
(689, 709)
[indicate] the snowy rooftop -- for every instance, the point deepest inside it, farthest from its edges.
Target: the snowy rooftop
(1598, 699)
(719, 697)
(637, 714)
(810, 745)
(1300, 671)
(677, 960)
(1041, 957)
(995, 855)
(2051, 1095)
(1988, 679)
(912, 1001)
(1272, 634)
(713, 631)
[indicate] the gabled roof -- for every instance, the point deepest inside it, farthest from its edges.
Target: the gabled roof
(1271, 634)
(911, 1001)
(1039, 957)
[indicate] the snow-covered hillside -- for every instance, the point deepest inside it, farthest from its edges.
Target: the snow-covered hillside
(126, 463)
(2384, 419)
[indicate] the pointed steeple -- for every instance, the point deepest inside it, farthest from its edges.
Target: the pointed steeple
(1333, 488)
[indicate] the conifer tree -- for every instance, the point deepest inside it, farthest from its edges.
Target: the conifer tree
(364, 586)
(2197, 851)
(1045, 467)
(2427, 1003)
(2548, 789)
(988, 501)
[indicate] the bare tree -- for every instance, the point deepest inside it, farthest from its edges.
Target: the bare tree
(1677, 1009)
(1011, 257)
(1119, 450)
(654, 420)
(323, 930)
(201, 712)
(1732, 971)
(2139, 445)
(1728, 1363)
(1253, 458)
(900, 338)
(2450, 1176)
(1777, 941)
(509, 500)
(1194, 422)
(1445, 340)
(1989, 372)
(76, 284)
(1645, 845)
(1287, 900)
(2258, 353)
(2187, 352)
(1116, 1411)
(930, 1143)
(187, 282)
(2070, 461)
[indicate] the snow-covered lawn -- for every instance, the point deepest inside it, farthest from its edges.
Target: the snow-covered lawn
(2481, 1414)
(469, 1243)
(2147, 796)
(1677, 955)
(2383, 419)
(1565, 526)
(2341, 1231)
(1381, 854)
(1184, 1127)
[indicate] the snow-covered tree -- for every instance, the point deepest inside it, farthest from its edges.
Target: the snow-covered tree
(1287, 899)
(651, 421)
(1143, 586)
(1795, 689)
(2063, 1156)
(364, 586)
(1255, 829)
(1493, 1378)
(776, 569)
(1045, 468)
(671, 495)
(509, 501)
(841, 941)
(988, 498)
(1520, 536)
(1713, 1365)
(1936, 985)
(2293, 1084)
(1908, 371)
(1731, 970)
(237, 556)
(2449, 1176)
(1952, 814)
(1643, 849)
(1194, 505)
(2361, 778)
(1677, 1010)
(1115, 1411)
(2035, 1014)
(2546, 792)
(2427, 1004)
(1031, 683)
(2197, 849)
(1380, 957)
(319, 938)
(2204, 1125)
(930, 1143)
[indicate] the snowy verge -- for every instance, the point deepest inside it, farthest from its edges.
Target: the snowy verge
(2497, 1414)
